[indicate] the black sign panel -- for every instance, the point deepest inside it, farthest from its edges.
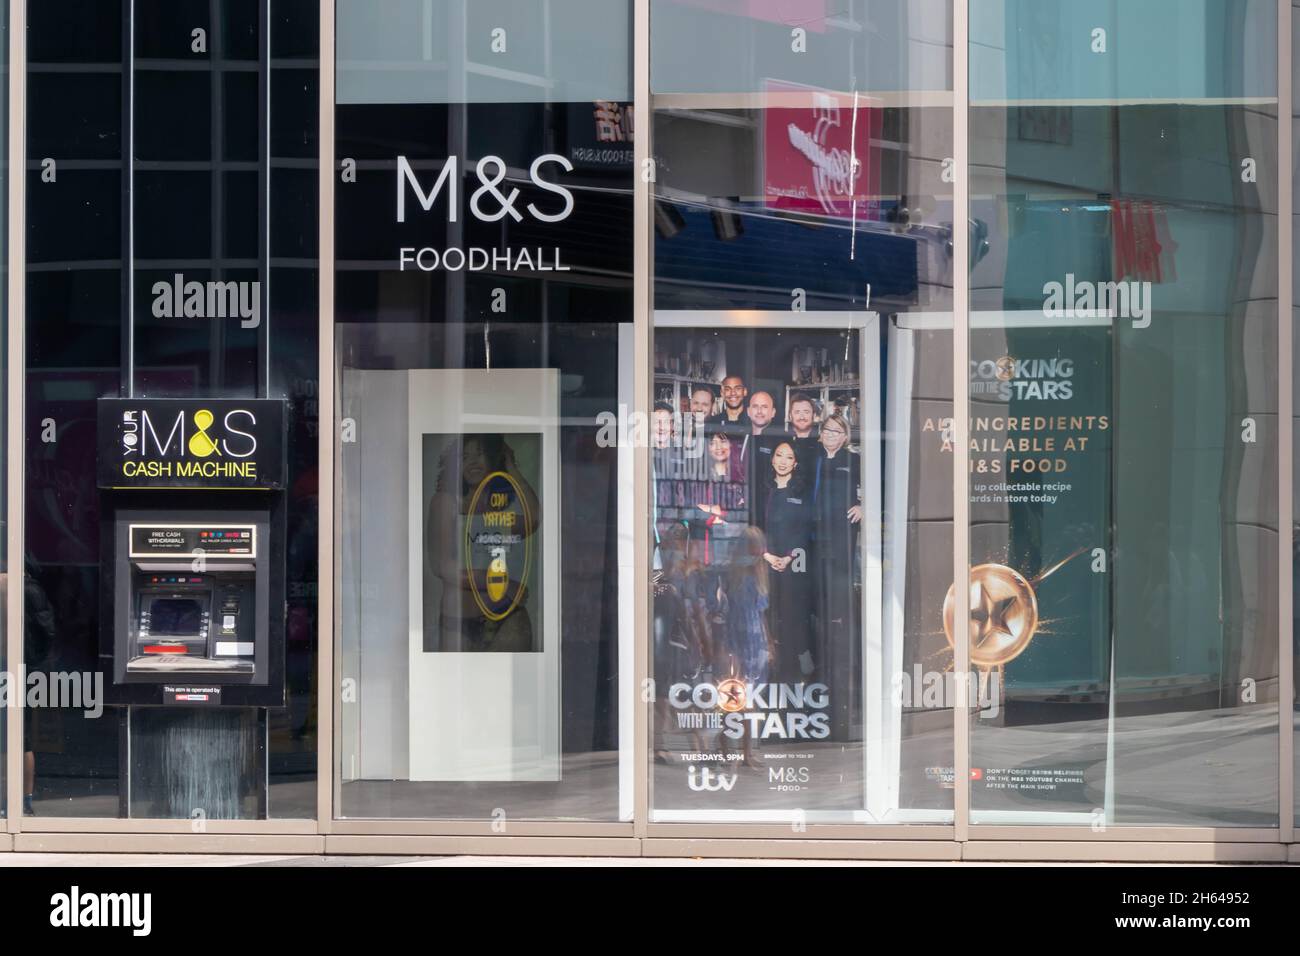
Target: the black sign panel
(487, 198)
(191, 443)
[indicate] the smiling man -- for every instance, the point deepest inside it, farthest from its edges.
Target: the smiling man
(733, 416)
(762, 409)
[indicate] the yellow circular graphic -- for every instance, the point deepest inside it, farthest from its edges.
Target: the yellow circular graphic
(731, 695)
(1003, 615)
(497, 578)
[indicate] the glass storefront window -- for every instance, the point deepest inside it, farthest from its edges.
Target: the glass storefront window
(1123, 401)
(483, 335)
(802, 389)
(75, 324)
(162, 159)
(784, 357)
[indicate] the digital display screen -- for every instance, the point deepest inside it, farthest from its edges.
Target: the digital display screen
(482, 492)
(175, 617)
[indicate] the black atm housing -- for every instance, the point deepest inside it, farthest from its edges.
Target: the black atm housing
(186, 619)
(193, 585)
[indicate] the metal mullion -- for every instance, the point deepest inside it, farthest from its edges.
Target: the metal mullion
(426, 827)
(16, 447)
(893, 832)
(327, 722)
(264, 193)
(100, 825)
(1286, 422)
(216, 200)
(961, 413)
(642, 348)
(263, 385)
(989, 833)
(128, 201)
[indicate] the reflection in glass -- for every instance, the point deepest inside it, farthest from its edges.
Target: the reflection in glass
(1123, 391)
(483, 338)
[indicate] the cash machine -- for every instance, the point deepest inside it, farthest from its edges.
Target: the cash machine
(193, 541)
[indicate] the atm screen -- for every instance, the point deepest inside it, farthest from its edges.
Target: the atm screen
(175, 617)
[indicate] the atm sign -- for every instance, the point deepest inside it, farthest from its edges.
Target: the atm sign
(202, 443)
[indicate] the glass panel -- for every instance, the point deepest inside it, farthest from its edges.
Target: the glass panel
(802, 379)
(192, 204)
(484, 51)
(186, 219)
(731, 46)
(1123, 427)
(294, 305)
(74, 327)
(483, 353)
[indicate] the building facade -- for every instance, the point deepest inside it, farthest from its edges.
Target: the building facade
(588, 426)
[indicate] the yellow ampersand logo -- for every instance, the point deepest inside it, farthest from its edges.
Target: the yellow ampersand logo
(201, 445)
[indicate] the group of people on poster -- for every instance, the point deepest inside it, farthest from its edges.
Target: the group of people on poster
(756, 524)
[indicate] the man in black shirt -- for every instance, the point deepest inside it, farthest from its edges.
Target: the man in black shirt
(804, 430)
(732, 417)
(756, 450)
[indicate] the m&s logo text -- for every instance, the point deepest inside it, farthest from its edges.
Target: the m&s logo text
(210, 443)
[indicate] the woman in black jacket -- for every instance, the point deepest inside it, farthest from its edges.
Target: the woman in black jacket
(836, 480)
(789, 524)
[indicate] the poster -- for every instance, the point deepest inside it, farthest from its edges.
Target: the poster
(760, 454)
(1039, 609)
(480, 556)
